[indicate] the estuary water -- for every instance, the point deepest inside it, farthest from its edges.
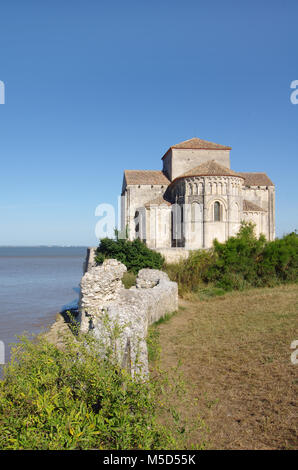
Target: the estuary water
(35, 284)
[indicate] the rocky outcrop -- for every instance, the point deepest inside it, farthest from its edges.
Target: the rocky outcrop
(99, 286)
(119, 317)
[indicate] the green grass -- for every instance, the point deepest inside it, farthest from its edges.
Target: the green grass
(175, 389)
(129, 279)
(234, 352)
(153, 345)
(165, 318)
(209, 292)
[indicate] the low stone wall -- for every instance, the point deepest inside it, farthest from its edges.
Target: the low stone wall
(119, 317)
(173, 255)
(90, 259)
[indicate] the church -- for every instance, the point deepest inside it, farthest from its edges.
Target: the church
(195, 198)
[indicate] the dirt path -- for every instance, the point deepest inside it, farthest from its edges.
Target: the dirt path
(60, 329)
(235, 358)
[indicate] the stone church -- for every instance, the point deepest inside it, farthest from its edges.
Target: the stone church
(194, 199)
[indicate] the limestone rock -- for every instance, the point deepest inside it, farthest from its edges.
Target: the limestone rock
(106, 306)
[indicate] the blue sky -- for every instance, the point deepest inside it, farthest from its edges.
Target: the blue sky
(94, 87)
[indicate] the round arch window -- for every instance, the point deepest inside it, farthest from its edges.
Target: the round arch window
(216, 211)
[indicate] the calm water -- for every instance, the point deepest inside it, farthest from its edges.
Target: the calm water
(35, 284)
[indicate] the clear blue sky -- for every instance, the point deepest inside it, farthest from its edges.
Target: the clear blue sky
(94, 87)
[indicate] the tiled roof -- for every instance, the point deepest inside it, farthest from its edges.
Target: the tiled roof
(196, 143)
(157, 201)
(145, 177)
(251, 207)
(256, 179)
(208, 169)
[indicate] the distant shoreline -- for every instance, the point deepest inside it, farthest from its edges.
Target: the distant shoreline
(41, 251)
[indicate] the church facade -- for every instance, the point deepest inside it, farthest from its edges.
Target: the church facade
(195, 198)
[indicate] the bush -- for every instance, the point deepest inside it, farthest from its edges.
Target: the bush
(129, 279)
(134, 254)
(71, 399)
(248, 261)
(280, 260)
(240, 262)
(235, 261)
(192, 272)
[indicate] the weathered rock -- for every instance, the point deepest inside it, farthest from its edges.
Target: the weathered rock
(148, 278)
(99, 286)
(106, 307)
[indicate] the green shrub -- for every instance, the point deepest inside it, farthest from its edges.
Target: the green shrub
(235, 261)
(129, 279)
(247, 261)
(280, 260)
(191, 273)
(71, 399)
(242, 261)
(134, 254)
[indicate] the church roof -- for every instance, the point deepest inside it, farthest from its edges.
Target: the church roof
(210, 168)
(256, 179)
(157, 201)
(196, 143)
(145, 177)
(251, 207)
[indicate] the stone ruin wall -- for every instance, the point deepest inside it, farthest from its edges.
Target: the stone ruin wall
(105, 303)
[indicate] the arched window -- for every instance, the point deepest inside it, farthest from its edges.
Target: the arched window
(137, 224)
(217, 211)
(140, 224)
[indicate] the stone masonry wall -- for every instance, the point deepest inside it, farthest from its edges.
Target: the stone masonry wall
(105, 305)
